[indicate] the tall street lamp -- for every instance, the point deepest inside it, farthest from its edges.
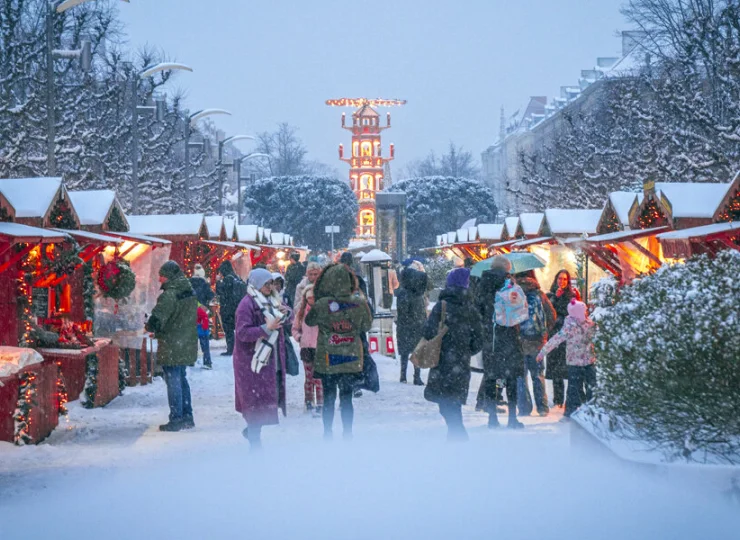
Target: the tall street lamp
(135, 109)
(192, 122)
(238, 171)
(85, 56)
(220, 170)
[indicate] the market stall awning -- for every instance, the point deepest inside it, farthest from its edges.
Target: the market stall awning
(141, 238)
(15, 232)
(704, 239)
(92, 237)
(623, 236)
(231, 245)
(535, 241)
(705, 231)
(505, 243)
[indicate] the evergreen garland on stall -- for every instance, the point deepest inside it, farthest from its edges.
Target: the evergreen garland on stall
(92, 367)
(115, 221)
(23, 302)
(651, 216)
(65, 261)
(732, 212)
(26, 401)
(61, 215)
(5, 215)
(88, 291)
(62, 395)
(122, 375)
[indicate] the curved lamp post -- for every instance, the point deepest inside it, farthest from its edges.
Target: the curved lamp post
(238, 171)
(219, 167)
(192, 122)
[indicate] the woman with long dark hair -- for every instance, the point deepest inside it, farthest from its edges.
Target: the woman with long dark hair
(560, 295)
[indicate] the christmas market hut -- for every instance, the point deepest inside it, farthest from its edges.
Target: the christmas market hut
(99, 211)
(533, 225)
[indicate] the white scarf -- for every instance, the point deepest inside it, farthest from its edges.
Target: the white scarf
(265, 347)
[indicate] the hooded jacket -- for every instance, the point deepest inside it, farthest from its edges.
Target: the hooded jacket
(342, 318)
(578, 338)
(530, 286)
(230, 291)
(174, 323)
(411, 308)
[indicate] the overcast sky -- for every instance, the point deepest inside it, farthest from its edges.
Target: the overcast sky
(455, 61)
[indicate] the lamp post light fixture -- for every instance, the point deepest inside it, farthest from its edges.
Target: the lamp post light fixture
(191, 124)
(85, 56)
(238, 171)
(219, 168)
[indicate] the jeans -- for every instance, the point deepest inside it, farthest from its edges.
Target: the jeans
(205, 346)
(558, 391)
(578, 376)
(531, 365)
(178, 392)
(451, 411)
(345, 383)
(229, 326)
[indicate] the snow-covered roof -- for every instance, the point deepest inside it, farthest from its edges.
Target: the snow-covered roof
(247, 233)
(533, 241)
(92, 206)
(572, 221)
(16, 230)
(229, 226)
(375, 255)
(512, 224)
(620, 236)
(622, 201)
(462, 235)
(472, 233)
(693, 200)
(490, 231)
(277, 238)
(531, 222)
(214, 224)
(166, 225)
(140, 238)
(700, 232)
(355, 244)
(31, 197)
(84, 235)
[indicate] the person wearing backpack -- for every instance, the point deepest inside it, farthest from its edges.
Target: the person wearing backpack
(534, 333)
(501, 302)
(230, 290)
(449, 381)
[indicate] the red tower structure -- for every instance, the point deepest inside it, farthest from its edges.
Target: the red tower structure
(366, 160)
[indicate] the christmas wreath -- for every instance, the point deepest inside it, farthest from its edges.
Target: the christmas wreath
(116, 279)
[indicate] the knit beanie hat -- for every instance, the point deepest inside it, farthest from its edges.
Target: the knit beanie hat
(577, 310)
(459, 277)
(198, 271)
(259, 277)
(170, 270)
(500, 262)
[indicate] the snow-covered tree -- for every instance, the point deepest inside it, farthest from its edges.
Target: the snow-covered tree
(303, 206)
(668, 359)
(436, 205)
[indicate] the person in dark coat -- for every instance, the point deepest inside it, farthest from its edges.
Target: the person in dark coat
(230, 290)
(449, 382)
(293, 276)
(412, 314)
(561, 293)
(503, 361)
(173, 323)
(202, 289)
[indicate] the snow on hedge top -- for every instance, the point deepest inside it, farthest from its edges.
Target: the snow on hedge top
(31, 197)
(622, 201)
(93, 206)
(214, 226)
(166, 225)
(490, 231)
(693, 200)
(14, 359)
(570, 221)
(512, 224)
(531, 222)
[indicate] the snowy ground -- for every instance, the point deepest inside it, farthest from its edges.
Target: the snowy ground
(110, 473)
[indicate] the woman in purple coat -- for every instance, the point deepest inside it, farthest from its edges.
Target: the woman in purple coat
(259, 356)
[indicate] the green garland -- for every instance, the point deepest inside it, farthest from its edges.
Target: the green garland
(122, 375)
(62, 396)
(26, 320)
(61, 216)
(66, 261)
(91, 380)
(26, 401)
(115, 221)
(5, 215)
(88, 291)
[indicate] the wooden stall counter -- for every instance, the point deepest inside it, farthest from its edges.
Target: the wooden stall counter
(138, 352)
(18, 364)
(99, 362)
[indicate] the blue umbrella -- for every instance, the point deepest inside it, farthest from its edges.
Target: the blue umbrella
(521, 261)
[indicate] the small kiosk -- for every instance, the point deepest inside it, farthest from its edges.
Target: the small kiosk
(377, 265)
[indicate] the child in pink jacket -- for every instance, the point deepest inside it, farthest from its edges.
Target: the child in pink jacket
(577, 333)
(306, 336)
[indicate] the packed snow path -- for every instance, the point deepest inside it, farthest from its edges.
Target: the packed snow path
(109, 473)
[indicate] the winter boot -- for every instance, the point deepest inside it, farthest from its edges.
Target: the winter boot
(513, 422)
(187, 422)
(417, 378)
(171, 426)
(309, 407)
(493, 422)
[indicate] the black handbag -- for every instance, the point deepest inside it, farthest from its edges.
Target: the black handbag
(370, 378)
(291, 360)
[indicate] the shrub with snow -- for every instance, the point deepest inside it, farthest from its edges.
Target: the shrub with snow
(669, 359)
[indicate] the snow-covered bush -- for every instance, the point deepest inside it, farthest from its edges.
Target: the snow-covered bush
(603, 294)
(437, 269)
(669, 359)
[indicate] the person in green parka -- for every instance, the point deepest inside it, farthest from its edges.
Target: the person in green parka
(342, 315)
(173, 322)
